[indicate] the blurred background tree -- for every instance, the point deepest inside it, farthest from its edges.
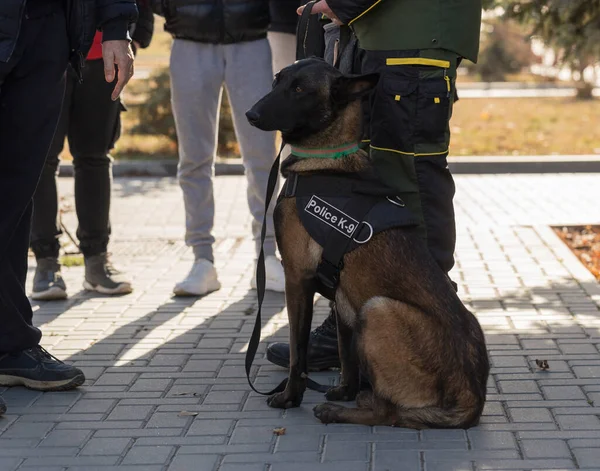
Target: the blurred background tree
(570, 27)
(504, 51)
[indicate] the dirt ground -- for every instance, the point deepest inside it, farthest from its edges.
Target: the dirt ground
(584, 241)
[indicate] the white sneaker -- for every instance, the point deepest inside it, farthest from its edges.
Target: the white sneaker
(202, 279)
(275, 275)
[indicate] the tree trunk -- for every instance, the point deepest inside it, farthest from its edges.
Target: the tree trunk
(584, 90)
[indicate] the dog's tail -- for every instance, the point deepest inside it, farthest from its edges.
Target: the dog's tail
(437, 417)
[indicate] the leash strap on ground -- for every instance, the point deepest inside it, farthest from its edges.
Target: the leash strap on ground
(261, 280)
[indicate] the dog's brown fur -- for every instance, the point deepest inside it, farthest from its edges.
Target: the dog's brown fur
(423, 351)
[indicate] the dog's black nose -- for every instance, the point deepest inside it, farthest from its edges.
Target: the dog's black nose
(253, 117)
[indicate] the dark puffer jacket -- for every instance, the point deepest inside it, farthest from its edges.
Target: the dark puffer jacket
(284, 18)
(144, 26)
(215, 21)
(83, 17)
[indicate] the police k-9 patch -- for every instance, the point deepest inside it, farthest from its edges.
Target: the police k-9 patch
(331, 216)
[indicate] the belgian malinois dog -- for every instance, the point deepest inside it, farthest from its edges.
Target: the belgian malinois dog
(399, 318)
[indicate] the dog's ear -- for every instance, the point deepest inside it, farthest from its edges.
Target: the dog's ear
(350, 87)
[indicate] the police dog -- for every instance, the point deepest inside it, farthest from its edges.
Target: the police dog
(399, 318)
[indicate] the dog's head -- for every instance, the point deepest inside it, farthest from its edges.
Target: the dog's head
(307, 98)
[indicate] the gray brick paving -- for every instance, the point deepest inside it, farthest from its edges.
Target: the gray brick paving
(545, 449)
(148, 356)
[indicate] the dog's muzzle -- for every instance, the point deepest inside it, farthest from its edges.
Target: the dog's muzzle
(253, 117)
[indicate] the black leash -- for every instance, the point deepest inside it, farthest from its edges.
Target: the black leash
(310, 40)
(261, 280)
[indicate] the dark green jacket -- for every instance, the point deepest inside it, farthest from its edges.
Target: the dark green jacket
(453, 25)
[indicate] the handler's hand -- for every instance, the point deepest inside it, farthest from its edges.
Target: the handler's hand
(322, 7)
(117, 53)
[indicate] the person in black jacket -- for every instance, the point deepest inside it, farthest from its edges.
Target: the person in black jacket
(282, 32)
(91, 121)
(219, 42)
(37, 39)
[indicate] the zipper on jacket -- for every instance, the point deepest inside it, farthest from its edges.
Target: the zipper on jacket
(336, 51)
(81, 65)
(222, 21)
(80, 56)
(21, 13)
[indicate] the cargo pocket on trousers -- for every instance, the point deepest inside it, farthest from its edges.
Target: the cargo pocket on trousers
(394, 112)
(433, 110)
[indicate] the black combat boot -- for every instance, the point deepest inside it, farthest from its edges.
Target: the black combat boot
(322, 348)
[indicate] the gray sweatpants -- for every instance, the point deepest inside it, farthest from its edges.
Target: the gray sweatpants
(198, 73)
(283, 49)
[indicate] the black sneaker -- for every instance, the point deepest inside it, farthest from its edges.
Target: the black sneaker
(37, 369)
(102, 277)
(2, 406)
(48, 283)
(322, 348)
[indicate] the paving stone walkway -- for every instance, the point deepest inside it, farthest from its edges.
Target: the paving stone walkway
(165, 379)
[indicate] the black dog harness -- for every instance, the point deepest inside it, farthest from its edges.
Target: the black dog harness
(342, 212)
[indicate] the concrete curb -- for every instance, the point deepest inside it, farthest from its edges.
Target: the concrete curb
(464, 85)
(525, 164)
(458, 166)
(155, 168)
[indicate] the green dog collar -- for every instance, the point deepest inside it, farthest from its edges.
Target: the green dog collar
(325, 153)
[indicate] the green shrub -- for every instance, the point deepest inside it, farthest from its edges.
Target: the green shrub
(504, 50)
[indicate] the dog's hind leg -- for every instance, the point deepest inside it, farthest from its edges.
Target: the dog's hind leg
(299, 298)
(350, 376)
(411, 371)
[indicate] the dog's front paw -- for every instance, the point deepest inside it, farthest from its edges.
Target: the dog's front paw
(341, 393)
(328, 413)
(283, 401)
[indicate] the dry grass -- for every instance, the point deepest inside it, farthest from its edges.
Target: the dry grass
(499, 126)
(511, 126)
(532, 126)
(143, 147)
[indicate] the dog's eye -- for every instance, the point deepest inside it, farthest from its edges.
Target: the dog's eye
(298, 89)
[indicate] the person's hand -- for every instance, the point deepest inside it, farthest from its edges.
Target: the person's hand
(117, 53)
(322, 7)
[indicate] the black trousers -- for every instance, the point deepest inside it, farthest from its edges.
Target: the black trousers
(31, 93)
(408, 132)
(91, 122)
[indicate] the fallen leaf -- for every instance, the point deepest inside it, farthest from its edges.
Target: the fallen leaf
(279, 431)
(542, 364)
(185, 413)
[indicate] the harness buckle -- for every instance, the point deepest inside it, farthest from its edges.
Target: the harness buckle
(358, 229)
(328, 274)
(289, 190)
